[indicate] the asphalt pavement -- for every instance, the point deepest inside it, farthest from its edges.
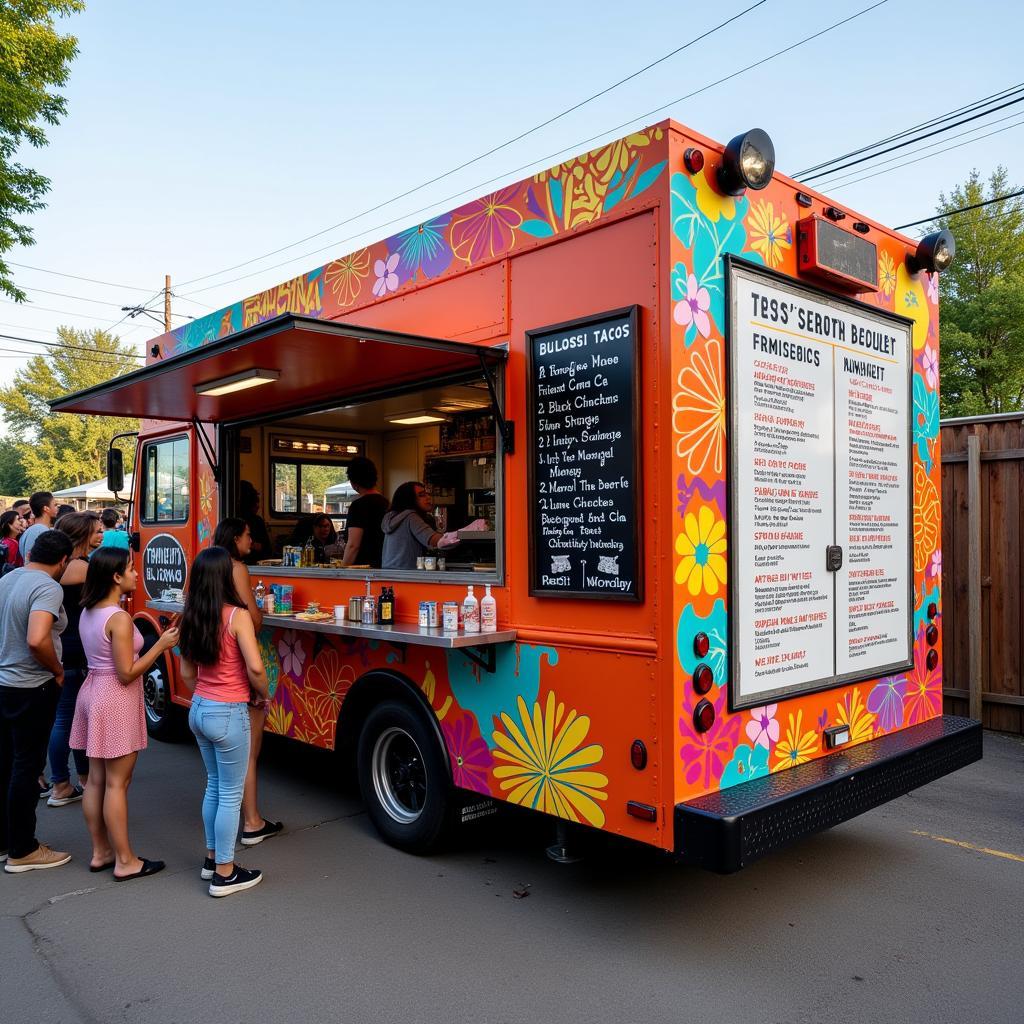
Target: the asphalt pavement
(913, 912)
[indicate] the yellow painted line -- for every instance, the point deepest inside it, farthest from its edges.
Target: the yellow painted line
(821, 341)
(970, 846)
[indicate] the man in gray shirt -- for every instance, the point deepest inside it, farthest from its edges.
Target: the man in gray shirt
(31, 621)
(44, 508)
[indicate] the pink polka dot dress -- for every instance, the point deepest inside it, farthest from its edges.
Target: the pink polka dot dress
(110, 718)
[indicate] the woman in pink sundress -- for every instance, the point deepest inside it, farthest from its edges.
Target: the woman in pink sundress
(110, 720)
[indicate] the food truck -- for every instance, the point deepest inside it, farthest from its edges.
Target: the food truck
(693, 405)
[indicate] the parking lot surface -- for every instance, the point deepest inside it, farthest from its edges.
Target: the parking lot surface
(913, 912)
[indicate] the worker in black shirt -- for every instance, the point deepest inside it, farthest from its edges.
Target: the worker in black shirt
(364, 537)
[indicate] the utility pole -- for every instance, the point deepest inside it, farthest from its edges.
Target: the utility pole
(167, 303)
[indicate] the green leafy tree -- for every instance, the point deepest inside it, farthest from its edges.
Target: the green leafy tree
(982, 294)
(34, 60)
(64, 449)
(13, 480)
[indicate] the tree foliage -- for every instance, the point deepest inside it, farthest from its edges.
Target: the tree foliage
(982, 295)
(63, 449)
(34, 60)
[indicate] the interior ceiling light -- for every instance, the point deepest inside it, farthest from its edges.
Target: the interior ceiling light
(748, 162)
(461, 405)
(415, 421)
(237, 382)
(934, 253)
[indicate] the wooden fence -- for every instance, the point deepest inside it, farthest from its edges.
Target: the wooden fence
(982, 621)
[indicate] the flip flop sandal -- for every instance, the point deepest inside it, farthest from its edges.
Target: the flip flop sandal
(149, 867)
(102, 867)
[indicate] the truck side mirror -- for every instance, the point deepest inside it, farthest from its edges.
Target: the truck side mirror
(115, 470)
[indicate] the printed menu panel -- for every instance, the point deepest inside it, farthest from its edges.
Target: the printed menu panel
(873, 498)
(820, 476)
(584, 470)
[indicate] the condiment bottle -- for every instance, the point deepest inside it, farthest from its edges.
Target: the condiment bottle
(387, 606)
(470, 612)
(308, 553)
(488, 612)
(260, 594)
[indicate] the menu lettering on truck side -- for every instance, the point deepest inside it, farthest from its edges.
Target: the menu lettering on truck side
(819, 458)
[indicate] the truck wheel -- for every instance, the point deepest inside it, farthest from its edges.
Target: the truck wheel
(403, 777)
(163, 719)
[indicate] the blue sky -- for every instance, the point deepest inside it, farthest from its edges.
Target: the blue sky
(201, 135)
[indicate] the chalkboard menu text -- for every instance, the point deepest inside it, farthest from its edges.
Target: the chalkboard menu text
(583, 398)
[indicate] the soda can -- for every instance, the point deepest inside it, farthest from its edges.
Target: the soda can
(432, 613)
(450, 617)
(421, 562)
(424, 614)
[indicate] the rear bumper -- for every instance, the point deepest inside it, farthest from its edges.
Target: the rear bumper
(728, 830)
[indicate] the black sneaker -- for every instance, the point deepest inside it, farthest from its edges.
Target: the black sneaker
(239, 879)
(270, 828)
(209, 869)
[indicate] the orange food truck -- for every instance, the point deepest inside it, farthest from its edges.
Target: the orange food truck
(679, 414)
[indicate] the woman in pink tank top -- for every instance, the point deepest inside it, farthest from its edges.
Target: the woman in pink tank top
(110, 720)
(221, 663)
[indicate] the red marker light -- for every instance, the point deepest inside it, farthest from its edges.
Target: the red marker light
(932, 660)
(931, 634)
(933, 610)
(638, 755)
(694, 160)
(703, 716)
(701, 645)
(703, 679)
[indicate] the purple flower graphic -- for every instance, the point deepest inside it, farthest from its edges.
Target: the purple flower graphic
(935, 565)
(886, 701)
(931, 366)
(763, 729)
(470, 756)
(705, 754)
(387, 279)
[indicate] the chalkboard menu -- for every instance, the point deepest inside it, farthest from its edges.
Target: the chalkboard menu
(584, 488)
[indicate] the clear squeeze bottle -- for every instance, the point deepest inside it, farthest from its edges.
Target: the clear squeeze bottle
(488, 612)
(471, 612)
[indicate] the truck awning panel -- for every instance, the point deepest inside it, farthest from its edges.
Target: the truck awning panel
(307, 363)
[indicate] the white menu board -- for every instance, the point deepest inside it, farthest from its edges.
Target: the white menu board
(819, 460)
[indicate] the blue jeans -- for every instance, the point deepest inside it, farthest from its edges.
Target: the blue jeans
(222, 732)
(61, 731)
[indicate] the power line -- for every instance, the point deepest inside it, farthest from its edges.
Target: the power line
(920, 138)
(475, 189)
(929, 156)
(487, 153)
(76, 277)
(48, 309)
(931, 145)
(16, 353)
(918, 127)
(962, 209)
(65, 344)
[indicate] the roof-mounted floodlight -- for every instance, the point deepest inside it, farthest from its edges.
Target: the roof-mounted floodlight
(748, 162)
(934, 253)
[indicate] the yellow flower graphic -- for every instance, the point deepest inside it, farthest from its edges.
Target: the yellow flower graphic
(278, 720)
(797, 746)
(852, 712)
(886, 273)
(711, 202)
(769, 234)
(546, 767)
(345, 276)
(702, 545)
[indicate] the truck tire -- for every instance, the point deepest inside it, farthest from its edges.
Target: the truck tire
(164, 720)
(403, 777)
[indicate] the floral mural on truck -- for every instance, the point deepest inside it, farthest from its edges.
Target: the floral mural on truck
(743, 745)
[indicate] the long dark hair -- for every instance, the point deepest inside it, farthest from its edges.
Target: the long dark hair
(210, 587)
(6, 519)
(404, 500)
(227, 533)
(332, 537)
(105, 564)
(78, 526)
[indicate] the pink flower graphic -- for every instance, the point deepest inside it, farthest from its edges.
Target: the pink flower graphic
(470, 756)
(694, 308)
(485, 227)
(387, 279)
(705, 754)
(935, 565)
(931, 366)
(931, 285)
(763, 729)
(290, 648)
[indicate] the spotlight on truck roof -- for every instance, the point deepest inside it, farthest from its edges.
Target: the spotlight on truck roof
(748, 162)
(934, 253)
